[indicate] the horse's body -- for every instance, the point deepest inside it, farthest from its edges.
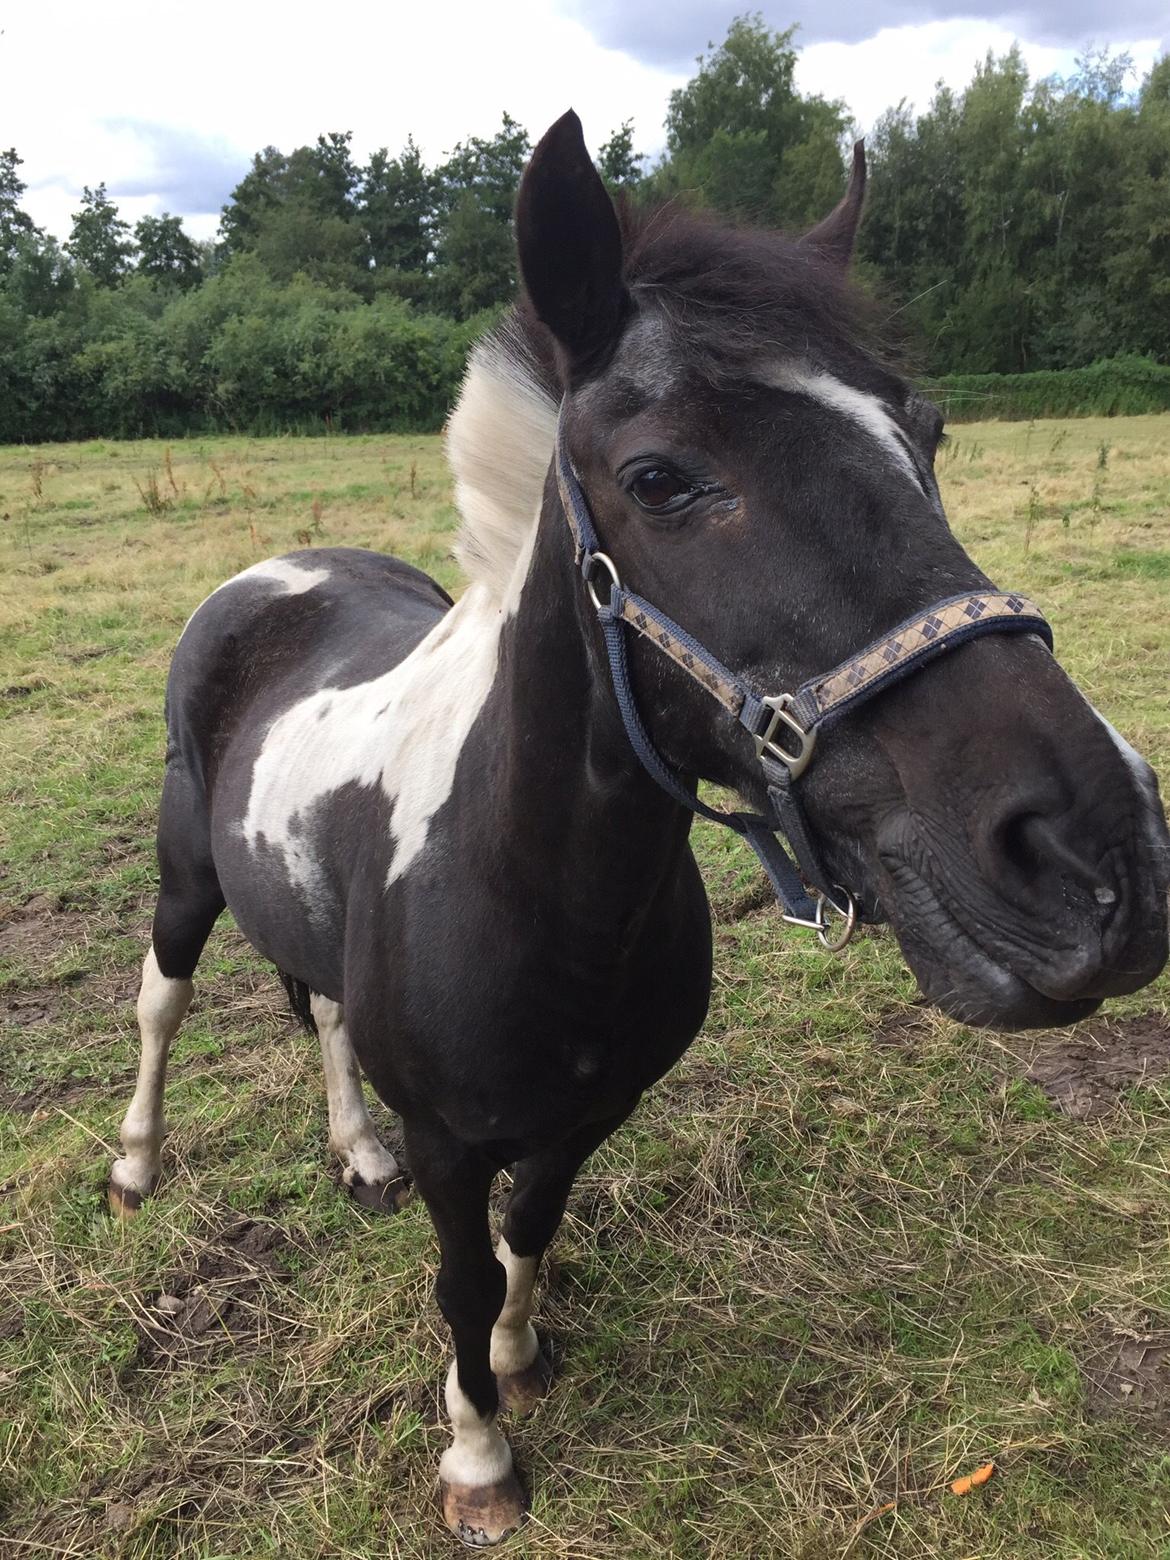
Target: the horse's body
(385, 834)
(431, 819)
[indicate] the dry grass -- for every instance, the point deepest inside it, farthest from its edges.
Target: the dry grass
(844, 1253)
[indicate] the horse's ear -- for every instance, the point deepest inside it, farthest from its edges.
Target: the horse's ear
(836, 235)
(570, 244)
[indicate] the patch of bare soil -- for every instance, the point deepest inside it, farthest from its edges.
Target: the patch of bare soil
(42, 922)
(1127, 1370)
(64, 1091)
(1084, 1074)
(220, 1300)
(34, 1005)
(905, 1028)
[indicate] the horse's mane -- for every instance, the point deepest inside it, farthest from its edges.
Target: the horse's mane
(732, 295)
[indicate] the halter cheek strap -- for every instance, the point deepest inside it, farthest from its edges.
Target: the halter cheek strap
(783, 726)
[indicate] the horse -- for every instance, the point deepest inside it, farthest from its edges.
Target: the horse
(461, 830)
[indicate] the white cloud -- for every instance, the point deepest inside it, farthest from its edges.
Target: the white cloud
(167, 103)
(907, 62)
(77, 78)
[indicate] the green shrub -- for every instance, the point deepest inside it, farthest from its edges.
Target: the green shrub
(1117, 387)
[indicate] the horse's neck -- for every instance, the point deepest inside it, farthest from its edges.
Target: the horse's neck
(568, 780)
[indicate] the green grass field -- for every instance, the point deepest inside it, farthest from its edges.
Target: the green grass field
(846, 1252)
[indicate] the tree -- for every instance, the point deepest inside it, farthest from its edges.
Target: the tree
(397, 206)
(490, 170)
(475, 265)
(16, 226)
(100, 239)
(741, 138)
(299, 214)
(38, 279)
(166, 253)
(617, 161)
(1138, 261)
(260, 191)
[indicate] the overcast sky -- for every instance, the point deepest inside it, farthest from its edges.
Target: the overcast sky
(166, 102)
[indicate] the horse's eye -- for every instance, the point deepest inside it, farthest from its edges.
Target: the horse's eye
(658, 490)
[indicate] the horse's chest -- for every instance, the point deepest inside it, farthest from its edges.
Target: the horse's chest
(524, 1036)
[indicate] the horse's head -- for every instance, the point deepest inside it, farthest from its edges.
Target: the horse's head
(756, 472)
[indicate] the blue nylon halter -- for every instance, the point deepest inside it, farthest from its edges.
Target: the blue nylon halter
(784, 727)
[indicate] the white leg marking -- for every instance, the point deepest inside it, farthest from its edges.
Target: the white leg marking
(514, 1341)
(162, 1004)
(351, 1132)
(478, 1454)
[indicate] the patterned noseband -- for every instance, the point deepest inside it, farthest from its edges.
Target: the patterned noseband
(783, 726)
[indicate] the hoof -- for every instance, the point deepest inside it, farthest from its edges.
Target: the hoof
(381, 1196)
(124, 1201)
(523, 1389)
(483, 1514)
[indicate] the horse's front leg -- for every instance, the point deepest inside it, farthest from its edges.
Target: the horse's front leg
(540, 1189)
(482, 1499)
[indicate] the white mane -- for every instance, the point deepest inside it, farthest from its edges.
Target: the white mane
(499, 443)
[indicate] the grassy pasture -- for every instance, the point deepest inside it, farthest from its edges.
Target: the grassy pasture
(845, 1253)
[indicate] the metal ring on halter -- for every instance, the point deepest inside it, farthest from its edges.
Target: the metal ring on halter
(846, 914)
(587, 570)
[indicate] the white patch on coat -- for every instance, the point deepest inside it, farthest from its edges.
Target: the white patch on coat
(514, 1341)
(403, 731)
(351, 1132)
(866, 411)
(293, 578)
(499, 444)
(478, 1454)
(162, 1006)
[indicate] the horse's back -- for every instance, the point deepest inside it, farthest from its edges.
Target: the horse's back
(283, 628)
(256, 700)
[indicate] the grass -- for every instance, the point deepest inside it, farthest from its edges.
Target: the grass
(843, 1254)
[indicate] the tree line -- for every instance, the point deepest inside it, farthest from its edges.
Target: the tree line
(1014, 226)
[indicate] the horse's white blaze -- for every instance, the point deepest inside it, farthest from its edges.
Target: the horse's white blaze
(162, 1004)
(479, 1453)
(351, 1132)
(514, 1341)
(865, 410)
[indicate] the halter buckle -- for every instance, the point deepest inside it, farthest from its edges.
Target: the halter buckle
(588, 561)
(846, 914)
(766, 744)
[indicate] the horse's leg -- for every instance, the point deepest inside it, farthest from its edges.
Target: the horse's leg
(482, 1500)
(371, 1171)
(189, 902)
(540, 1190)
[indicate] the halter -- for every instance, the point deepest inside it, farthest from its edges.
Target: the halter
(783, 726)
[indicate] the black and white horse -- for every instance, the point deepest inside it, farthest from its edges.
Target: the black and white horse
(431, 818)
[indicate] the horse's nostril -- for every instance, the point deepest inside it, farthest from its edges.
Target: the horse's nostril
(1037, 845)
(1023, 841)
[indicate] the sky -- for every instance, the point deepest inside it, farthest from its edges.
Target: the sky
(167, 103)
